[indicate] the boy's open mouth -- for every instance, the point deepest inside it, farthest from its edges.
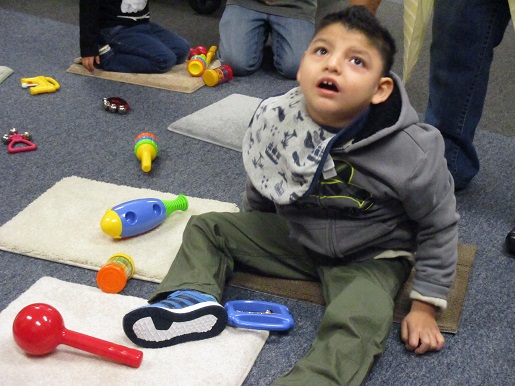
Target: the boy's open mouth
(328, 85)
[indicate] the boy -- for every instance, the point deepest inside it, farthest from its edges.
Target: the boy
(344, 186)
(117, 35)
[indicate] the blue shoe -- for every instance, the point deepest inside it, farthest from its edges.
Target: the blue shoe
(184, 316)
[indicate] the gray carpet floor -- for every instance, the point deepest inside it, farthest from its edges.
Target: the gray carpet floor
(75, 136)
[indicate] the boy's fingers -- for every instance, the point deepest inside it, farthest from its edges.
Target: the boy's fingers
(427, 342)
(410, 339)
(430, 342)
(440, 341)
(404, 331)
(421, 341)
(414, 341)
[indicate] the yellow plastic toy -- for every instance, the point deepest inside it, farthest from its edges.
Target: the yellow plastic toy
(145, 149)
(197, 64)
(40, 84)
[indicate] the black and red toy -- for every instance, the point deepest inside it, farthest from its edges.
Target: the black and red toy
(115, 105)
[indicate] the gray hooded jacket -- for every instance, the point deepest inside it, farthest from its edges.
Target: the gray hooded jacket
(390, 194)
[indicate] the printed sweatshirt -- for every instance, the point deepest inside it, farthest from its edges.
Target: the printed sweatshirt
(385, 193)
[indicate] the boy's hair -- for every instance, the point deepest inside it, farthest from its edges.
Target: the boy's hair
(359, 18)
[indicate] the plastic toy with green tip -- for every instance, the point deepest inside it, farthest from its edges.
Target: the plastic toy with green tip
(138, 216)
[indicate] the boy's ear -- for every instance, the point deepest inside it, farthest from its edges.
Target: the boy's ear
(384, 90)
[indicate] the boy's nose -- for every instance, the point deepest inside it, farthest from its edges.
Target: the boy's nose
(333, 64)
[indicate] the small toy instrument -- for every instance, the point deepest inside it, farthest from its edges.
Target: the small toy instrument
(113, 276)
(40, 84)
(135, 217)
(199, 63)
(39, 328)
(258, 315)
(217, 75)
(116, 105)
(146, 150)
(14, 138)
(198, 50)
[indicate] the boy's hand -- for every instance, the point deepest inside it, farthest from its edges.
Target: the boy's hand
(89, 62)
(419, 330)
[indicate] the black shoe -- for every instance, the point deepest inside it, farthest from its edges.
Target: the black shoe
(510, 241)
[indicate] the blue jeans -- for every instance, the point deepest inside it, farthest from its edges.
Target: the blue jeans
(243, 35)
(465, 33)
(144, 48)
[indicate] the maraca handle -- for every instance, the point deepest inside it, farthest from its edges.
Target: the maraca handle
(118, 353)
(146, 161)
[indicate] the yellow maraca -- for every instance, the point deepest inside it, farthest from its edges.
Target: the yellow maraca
(146, 150)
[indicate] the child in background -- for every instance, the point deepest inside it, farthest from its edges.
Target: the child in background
(344, 185)
(246, 25)
(117, 35)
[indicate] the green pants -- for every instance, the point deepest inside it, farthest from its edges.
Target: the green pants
(359, 296)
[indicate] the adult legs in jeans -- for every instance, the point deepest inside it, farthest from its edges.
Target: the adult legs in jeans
(465, 32)
(145, 48)
(290, 39)
(244, 32)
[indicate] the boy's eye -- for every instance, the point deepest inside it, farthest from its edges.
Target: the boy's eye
(358, 62)
(321, 51)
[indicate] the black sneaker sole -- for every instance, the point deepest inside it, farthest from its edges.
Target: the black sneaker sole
(155, 327)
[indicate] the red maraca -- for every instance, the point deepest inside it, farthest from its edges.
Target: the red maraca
(39, 328)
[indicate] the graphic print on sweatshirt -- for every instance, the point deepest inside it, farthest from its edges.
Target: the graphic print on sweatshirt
(343, 189)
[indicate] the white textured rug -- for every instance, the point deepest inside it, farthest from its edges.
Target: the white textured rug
(222, 123)
(63, 225)
(224, 360)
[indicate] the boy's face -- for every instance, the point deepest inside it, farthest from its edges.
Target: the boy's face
(340, 76)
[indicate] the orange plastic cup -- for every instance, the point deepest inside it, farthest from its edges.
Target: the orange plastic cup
(113, 276)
